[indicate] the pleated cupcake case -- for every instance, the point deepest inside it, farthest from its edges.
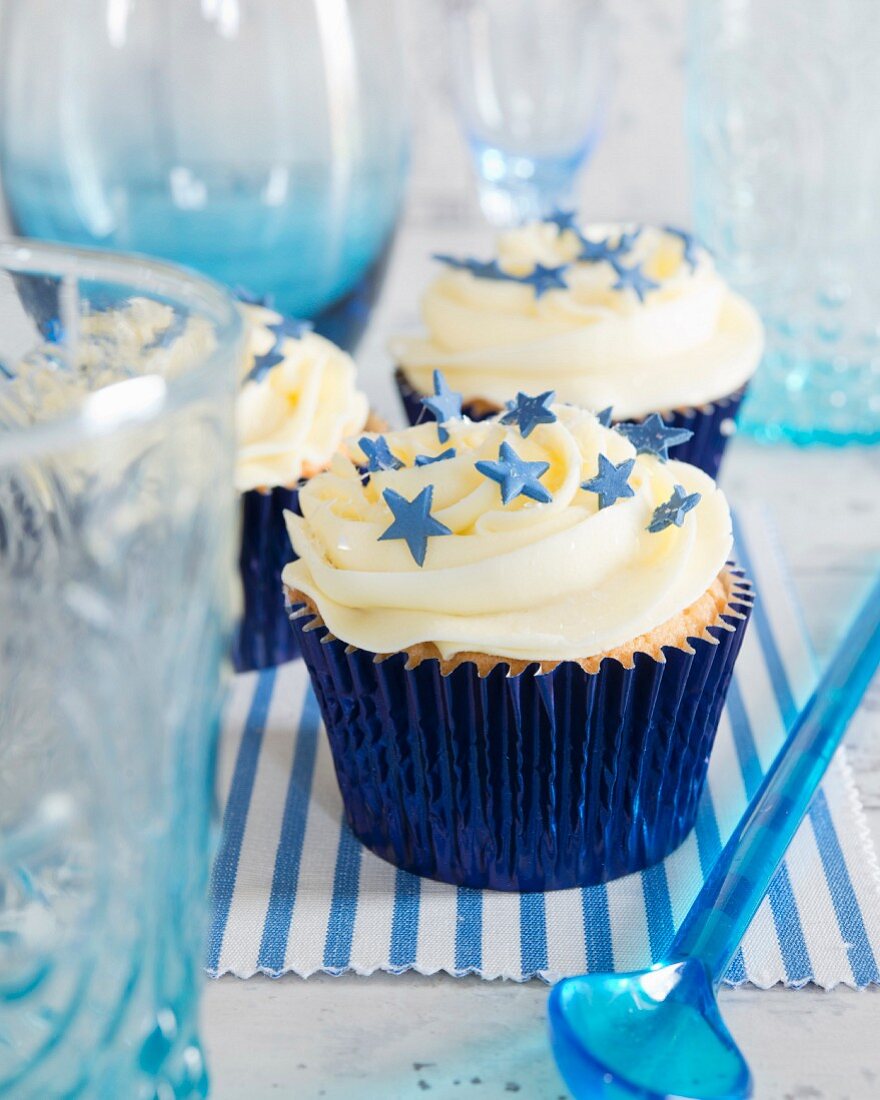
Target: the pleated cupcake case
(527, 781)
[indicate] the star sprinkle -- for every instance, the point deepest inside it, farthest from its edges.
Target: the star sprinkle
(541, 279)
(528, 412)
(290, 328)
(689, 241)
(413, 522)
(480, 269)
(652, 437)
(563, 220)
(604, 417)
(445, 404)
(429, 460)
(673, 510)
(594, 252)
(633, 278)
(612, 482)
(263, 364)
(379, 456)
(516, 476)
(252, 299)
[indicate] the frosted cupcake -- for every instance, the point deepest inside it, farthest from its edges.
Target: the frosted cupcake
(297, 403)
(631, 318)
(520, 632)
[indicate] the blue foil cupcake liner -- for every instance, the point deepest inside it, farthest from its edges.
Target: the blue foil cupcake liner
(264, 637)
(532, 781)
(712, 424)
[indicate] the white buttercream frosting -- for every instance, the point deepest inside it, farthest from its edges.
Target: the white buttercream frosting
(294, 417)
(690, 342)
(526, 581)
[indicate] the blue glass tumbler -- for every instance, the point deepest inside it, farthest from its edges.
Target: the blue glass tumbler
(785, 152)
(262, 142)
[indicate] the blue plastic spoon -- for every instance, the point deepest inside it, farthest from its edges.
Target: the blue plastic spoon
(657, 1033)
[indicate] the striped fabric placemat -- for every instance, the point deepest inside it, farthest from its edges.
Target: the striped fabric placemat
(294, 891)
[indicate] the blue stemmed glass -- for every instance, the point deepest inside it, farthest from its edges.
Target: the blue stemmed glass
(531, 86)
(658, 1033)
(263, 143)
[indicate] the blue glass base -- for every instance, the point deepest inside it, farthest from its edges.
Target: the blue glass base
(514, 188)
(295, 254)
(833, 401)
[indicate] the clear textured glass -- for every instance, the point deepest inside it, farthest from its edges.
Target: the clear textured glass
(785, 151)
(531, 83)
(117, 560)
(262, 142)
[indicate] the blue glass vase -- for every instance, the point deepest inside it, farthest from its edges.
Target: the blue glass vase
(263, 143)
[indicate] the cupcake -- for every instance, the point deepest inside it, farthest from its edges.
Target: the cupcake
(520, 632)
(297, 403)
(635, 318)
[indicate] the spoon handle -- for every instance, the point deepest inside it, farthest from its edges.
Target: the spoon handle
(724, 907)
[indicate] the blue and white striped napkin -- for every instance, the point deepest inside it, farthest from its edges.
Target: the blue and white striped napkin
(294, 891)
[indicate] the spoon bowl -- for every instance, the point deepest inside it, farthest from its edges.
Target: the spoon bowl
(647, 1035)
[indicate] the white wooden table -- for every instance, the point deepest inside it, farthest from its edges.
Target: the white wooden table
(407, 1036)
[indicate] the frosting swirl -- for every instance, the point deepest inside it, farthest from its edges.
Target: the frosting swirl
(293, 416)
(686, 343)
(532, 581)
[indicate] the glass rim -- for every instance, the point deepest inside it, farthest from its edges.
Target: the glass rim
(143, 398)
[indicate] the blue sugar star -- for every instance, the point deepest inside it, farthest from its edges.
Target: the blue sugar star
(528, 412)
(673, 510)
(543, 279)
(379, 456)
(481, 269)
(652, 437)
(250, 298)
(633, 278)
(413, 521)
(445, 404)
(290, 328)
(604, 417)
(593, 252)
(428, 460)
(263, 364)
(516, 476)
(689, 241)
(563, 220)
(611, 483)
